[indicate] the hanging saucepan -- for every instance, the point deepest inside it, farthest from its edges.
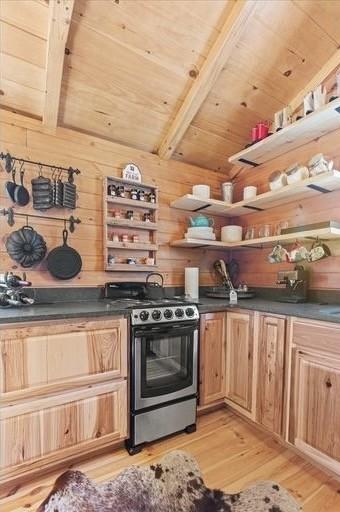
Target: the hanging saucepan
(154, 290)
(21, 194)
(26, 246)
(64, 262)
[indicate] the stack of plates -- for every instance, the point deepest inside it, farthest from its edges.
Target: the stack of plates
(204, 233)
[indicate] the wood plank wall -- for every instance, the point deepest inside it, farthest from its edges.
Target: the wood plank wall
(24, 137)
(256, 271)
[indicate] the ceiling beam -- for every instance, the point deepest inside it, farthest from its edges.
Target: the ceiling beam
(327, 69)
(60, 14)
(229, 35)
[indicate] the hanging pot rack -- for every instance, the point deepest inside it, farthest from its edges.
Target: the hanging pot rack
(11, 214)
(10, 162)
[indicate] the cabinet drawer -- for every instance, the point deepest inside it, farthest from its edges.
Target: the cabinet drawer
(61, 426)
(316, 335)
(71, 353)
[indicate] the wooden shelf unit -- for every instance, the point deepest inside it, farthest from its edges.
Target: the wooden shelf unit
(325, 234)
(322, 184)
(123, 250)
(311, 127)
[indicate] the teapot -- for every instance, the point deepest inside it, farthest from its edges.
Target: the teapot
(201, 221)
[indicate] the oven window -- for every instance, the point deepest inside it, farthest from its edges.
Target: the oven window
(166, 364)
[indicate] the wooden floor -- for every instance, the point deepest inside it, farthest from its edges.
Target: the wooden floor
(232, 454)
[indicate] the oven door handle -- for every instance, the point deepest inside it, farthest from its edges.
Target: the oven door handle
(170, 330)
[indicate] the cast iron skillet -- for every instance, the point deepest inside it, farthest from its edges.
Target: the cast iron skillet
(21, 194)
(64, 262)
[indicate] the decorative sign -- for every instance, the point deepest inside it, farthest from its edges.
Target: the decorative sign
(132, 173)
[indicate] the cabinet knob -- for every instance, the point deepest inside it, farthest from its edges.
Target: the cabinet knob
(328, 383)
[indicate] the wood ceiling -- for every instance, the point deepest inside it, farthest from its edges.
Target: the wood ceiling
(185, 78)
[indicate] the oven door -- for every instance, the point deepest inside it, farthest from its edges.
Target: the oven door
(164, 363)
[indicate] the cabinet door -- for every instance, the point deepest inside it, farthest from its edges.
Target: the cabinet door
(269, 404)
(239, 359)
(212, 357)
(56, 428)
(73, 353)
(315, 412)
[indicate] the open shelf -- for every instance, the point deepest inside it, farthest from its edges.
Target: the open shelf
(133, 203)
(313, 126)
(133, 224)
(138, 246)
(122, 267)
(322, 184)
(310, 235)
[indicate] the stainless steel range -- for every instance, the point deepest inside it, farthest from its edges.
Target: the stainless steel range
(163, 364)
(164, 354)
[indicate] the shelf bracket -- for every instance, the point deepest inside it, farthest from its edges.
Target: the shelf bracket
(319, 189)
(248, 162)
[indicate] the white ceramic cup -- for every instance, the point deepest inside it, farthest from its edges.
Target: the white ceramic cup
(249, 192)
(227, 191)
(231, 233)
(202, 191)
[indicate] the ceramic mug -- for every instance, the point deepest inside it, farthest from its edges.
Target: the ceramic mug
(249, 192)
(202, 191)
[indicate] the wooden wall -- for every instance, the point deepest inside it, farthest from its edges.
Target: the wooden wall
(255, 269)
(24, 137)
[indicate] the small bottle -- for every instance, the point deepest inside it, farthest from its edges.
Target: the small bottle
(233, 297)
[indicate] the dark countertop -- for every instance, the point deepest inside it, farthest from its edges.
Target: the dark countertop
(60, 311)
(97, 308)
(307, 310)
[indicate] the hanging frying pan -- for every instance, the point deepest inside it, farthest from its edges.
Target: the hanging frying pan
(64, 262)
(11, 186)
(21, 194)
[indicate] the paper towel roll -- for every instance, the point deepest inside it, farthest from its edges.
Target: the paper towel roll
(192, 282)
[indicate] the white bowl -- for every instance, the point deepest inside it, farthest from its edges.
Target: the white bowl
(231, 233)
(201, 232)
(202, 191)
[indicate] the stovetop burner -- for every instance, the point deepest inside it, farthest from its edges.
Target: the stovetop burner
(132, 303)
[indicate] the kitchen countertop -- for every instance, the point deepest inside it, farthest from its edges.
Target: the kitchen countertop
(314, 311)
(97, 308)
(61, 311)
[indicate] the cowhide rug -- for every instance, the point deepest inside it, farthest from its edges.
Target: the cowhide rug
(175, 484)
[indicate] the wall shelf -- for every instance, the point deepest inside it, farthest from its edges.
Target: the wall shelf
(121, 251)
(307, 236)
(138, 246)
(291, 137)
(133, 203)
(322, 184)
(126, 267)
(132, 224)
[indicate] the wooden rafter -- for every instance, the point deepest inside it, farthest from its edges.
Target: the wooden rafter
(221, 50)
(60, 14)
(327, 69)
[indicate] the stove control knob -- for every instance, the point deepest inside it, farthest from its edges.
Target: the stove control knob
(144, 315)
(168, 314)
(179, 313)
(156, 314)
(190, 312)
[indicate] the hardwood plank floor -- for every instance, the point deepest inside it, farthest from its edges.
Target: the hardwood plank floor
(232, 455)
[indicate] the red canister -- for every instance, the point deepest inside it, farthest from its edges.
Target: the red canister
(254, 135)
(262, 130)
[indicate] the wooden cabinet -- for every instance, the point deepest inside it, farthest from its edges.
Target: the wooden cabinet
(56, 428)
(212, 357)
(239, 359)
(270, 372)
(63, 392)
(314, 416)
(35, 360)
